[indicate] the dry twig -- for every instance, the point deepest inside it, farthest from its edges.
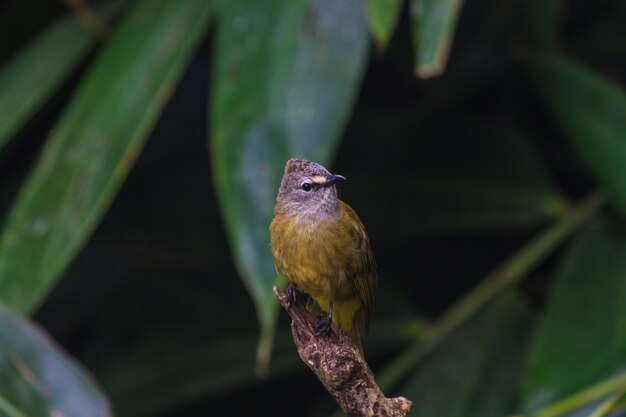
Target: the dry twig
(340, 367)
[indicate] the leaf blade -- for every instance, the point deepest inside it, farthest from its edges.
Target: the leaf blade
(37, 379)
(285, 78)
(94, 145)
(459, 379)
(31, 77)
(566, 356)
(382, 17)
(592, 113)
(433, 23)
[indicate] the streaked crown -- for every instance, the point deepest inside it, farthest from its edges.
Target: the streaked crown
(306, 188)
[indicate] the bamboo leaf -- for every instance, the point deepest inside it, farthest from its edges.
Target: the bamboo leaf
(580, 340)
(94, 145)
(588, 400)
(592, 112)
(382, 17)
(37, 379)
(607, 405)
(433, 25)
(31, 77)
(286, 75)
(478, 371)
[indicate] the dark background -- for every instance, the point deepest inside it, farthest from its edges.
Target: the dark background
(157, 278)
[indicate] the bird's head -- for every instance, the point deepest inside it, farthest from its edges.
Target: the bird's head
(307, 188)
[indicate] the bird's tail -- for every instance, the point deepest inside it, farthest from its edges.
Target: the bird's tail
(349, 319)
(355, 334)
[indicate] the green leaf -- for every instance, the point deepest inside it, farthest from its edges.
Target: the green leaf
(620, 403)
(592, 112)
(433, 27)
(581, 337)
(37, 379)
(597, 398)
(477, 372)
(606, 406)
(31, 77)
(93, 146)
(382, 17)
(286, 75)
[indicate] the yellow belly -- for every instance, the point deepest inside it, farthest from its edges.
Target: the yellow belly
(313, 258)
(344, 311)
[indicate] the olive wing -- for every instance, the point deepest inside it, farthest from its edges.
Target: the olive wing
(361, 266)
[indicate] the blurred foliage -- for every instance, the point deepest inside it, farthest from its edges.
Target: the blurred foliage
(45, 62)
(577, 302)
(280, 90)
(592, 111)
(152, 267)
(478, 370)
(93, 146)
(382, 17)
(37, 379)
(433, 27)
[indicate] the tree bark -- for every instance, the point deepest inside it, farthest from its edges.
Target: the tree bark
(338, 364)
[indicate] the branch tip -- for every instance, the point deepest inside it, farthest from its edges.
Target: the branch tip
(338, 364)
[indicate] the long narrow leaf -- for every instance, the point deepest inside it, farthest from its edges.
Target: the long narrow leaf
(37, 379)
(92, 148)
(382, 17)
(433, 24)
(592, 113)
(478, 371)
(29, 79)
(285, 78)
(581, 339)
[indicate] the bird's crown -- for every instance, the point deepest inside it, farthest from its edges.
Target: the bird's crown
(305, 167)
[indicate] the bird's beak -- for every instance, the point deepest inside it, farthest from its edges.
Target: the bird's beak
(333, 179)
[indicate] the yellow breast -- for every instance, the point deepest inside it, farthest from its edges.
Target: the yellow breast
(331, 261)
(311, 255)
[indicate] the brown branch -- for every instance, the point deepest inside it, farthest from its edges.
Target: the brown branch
(340, 367)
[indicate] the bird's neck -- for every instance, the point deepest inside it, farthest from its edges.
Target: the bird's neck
(323, 211)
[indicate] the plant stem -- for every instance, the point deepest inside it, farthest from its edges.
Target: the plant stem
(608, 404)
(10, 409)
(614, 385)
(265, 346)
(512, 271)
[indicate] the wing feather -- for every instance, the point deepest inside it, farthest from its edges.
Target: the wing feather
(361, 267)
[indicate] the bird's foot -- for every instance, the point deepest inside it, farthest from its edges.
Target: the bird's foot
(324, 326)
(291, 291)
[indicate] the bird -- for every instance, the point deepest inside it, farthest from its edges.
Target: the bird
(320, 246)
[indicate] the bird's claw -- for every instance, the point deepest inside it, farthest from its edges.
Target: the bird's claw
(324, 326)
(290, 291)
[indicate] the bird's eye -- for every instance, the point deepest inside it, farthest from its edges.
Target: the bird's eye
(306, 186)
